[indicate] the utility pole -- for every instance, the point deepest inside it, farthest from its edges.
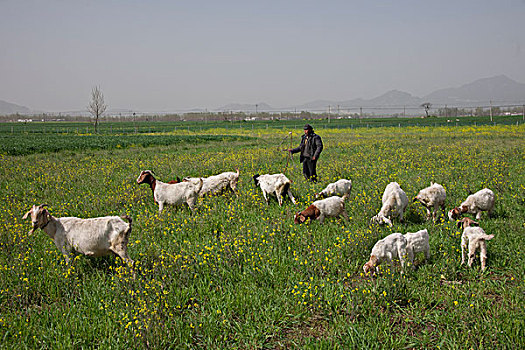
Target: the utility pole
(329, 111)
(404, 111)
(523, 111)
(491, 110)
(361, 112)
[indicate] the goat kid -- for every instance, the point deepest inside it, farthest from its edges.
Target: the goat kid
(391, 247)
(476, 238)
(417, 242)
(476, 203)
(339, 188)
(394, 202)
(432, 198)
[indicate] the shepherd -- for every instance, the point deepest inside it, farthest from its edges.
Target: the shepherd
(311, 147)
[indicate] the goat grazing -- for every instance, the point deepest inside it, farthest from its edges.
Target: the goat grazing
(483, 200)
(278, 184)
(329, 207)
(92, 237)
(217, 183)
(393, 246)
(339, 188)
(395, 202)
(476, 238)
(172, 194)
(432, 198)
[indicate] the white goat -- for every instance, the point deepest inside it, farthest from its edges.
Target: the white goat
(330, 207)
(92, 237)
(172, 194)
(393, 246)
(482, 200)
(278, 184)
(432, 197)
(476, 238)
(216, 183)
(339, 188)
(417, 242)
(395, 202)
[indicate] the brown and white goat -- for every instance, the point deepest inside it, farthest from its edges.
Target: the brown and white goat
(171, 194)
(330, 207)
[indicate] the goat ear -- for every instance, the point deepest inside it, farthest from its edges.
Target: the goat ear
(26, 214)
(474, 223)
(459, 223)
(178, 179)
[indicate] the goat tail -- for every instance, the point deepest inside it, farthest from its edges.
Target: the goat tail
(486, 237)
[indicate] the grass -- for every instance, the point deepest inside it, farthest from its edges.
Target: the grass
(239, 273)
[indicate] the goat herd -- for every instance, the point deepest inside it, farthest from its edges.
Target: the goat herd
(110, 234)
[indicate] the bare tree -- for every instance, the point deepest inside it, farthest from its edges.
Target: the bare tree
(426, 106)
(97, 106)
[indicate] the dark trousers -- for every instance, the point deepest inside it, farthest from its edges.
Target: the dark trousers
(309, 170)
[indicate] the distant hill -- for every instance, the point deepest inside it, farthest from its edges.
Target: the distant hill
(499, 88)
(7, 108)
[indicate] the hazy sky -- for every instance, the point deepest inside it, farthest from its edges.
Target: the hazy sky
(173, 55)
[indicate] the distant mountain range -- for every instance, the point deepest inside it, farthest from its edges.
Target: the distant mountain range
(499, 89)
(7, 108)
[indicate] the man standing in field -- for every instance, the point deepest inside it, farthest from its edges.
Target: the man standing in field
(311, 147)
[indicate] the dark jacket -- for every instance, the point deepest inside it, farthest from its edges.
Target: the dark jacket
(312, 149)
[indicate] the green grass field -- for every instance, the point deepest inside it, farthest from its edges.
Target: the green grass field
(239, 273)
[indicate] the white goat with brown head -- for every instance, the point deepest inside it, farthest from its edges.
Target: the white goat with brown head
(171, 194)
(476, 203)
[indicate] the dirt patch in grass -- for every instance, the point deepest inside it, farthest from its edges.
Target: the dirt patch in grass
(316, 326)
